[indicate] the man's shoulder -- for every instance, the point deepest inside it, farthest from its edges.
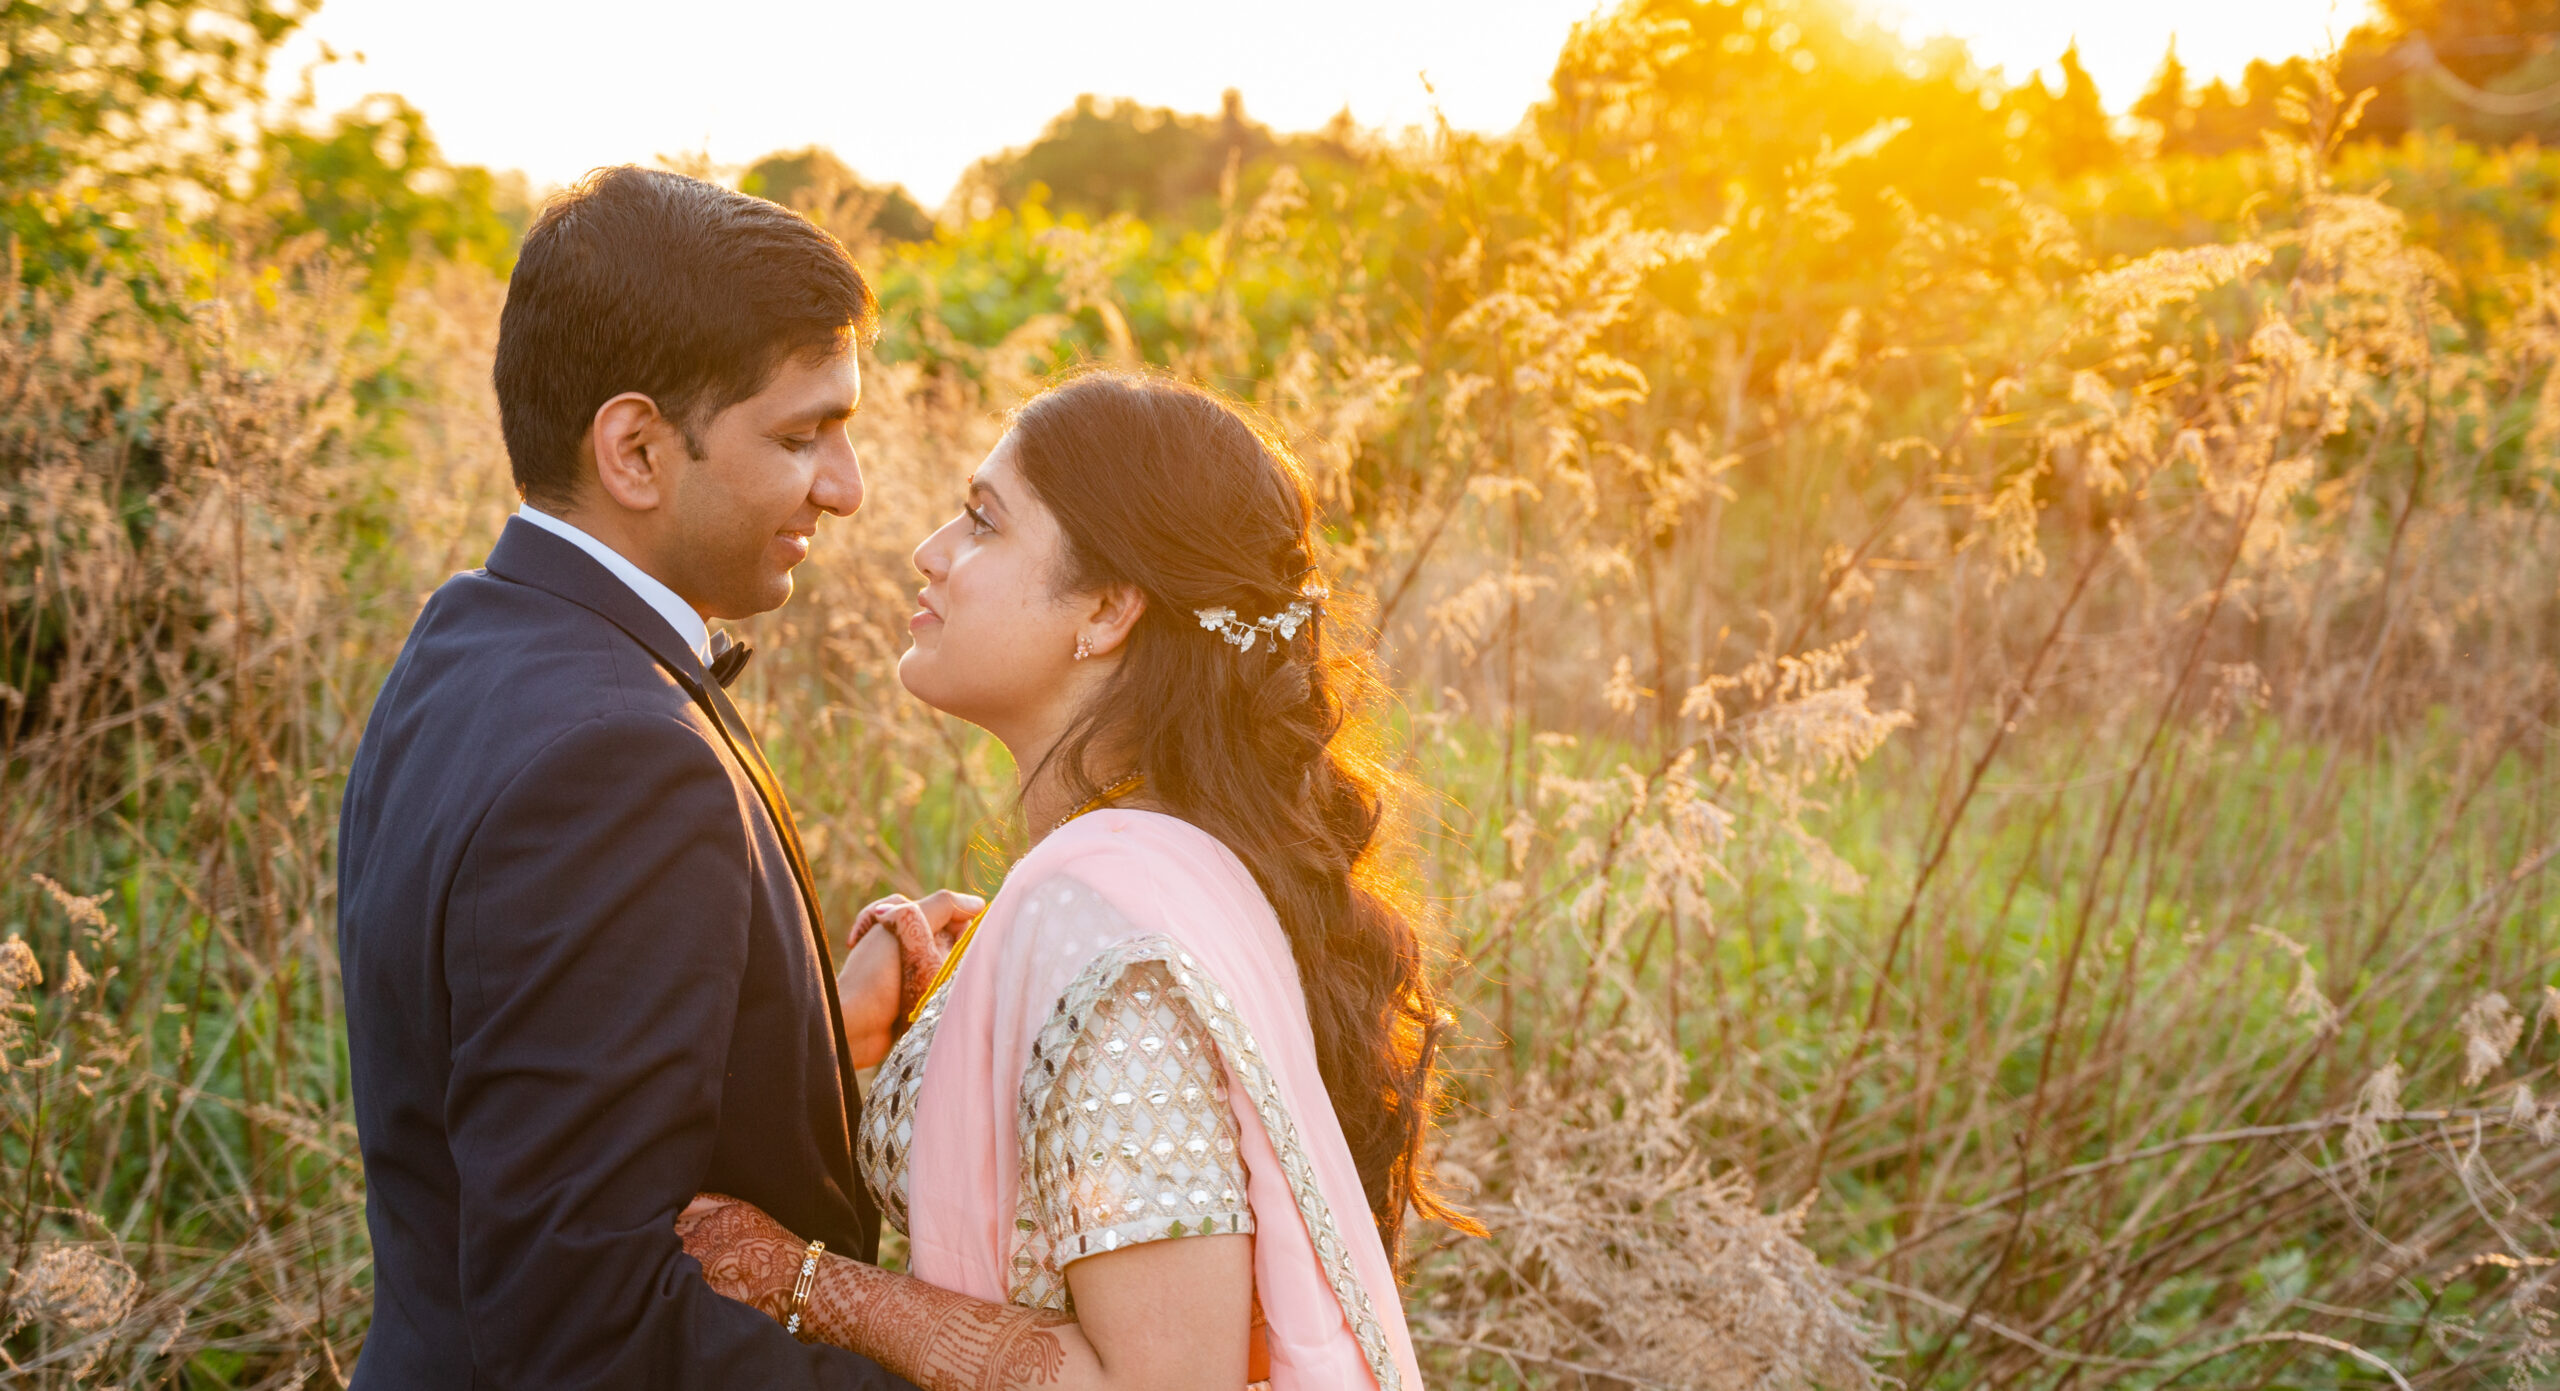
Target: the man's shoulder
(476, 606)
(527, 647)
(494, 672)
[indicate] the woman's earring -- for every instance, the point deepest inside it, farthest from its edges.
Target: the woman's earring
(1084, 647)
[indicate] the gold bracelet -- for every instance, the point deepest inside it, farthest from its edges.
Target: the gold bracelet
(800, 1288)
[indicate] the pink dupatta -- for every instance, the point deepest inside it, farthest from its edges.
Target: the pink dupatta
(1112, 888)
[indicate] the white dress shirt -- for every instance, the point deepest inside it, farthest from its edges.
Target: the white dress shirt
(679, 614)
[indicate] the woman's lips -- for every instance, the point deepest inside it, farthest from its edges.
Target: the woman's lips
(923, 615)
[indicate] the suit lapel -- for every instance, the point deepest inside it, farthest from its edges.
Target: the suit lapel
(733, 727)
(527, 554)
(742, 746)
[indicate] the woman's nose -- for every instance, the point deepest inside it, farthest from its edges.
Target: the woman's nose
(928, 556)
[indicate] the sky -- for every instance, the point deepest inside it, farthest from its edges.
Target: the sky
(913, 92)
(2121, 41)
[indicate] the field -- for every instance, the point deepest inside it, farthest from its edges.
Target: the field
(1985, 734)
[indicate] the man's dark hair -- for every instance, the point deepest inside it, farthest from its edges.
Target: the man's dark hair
(643, 280)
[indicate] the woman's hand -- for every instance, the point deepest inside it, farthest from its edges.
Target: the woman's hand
(1160, 1316)
(885, 972)
(745, 1255)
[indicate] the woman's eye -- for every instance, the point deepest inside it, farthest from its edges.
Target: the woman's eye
(978, 523)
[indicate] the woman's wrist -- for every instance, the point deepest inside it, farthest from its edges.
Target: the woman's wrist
(796, 1312)
(779, 1268)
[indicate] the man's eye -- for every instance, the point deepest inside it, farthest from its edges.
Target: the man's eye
(978, 523)
(797, 444)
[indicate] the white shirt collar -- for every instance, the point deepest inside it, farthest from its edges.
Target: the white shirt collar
(679, 614)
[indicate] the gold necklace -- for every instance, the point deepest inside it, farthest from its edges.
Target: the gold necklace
(1117, 790)
(951, 963)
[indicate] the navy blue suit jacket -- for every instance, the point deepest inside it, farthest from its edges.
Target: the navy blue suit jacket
(585, 978)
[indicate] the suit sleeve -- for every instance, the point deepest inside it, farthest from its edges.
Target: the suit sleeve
(595, 950)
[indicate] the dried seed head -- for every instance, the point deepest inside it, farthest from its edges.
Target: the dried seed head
(1623, 692)
(2490, 1031)
(76, 1287)
(2377, 1101)
(83, 910)
(18, 968)
(2308, 1002)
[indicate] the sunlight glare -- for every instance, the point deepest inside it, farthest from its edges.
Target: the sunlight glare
(910, 93)
(2121, 44)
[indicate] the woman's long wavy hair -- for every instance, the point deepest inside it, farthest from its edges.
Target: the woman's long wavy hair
(1162, 485)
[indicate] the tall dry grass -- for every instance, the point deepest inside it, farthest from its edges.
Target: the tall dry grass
(2003, 845)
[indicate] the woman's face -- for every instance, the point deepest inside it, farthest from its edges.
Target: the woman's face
(994, 642)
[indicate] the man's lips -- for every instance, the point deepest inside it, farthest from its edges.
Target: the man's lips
(798, 541)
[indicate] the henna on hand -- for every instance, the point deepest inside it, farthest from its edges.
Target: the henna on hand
(936, 1338)
(745, 1255)
(920, 953)
(922, 943)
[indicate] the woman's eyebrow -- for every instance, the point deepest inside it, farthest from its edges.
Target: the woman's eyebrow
(979, 490)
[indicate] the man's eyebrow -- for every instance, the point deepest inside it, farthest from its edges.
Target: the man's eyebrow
(824, 413)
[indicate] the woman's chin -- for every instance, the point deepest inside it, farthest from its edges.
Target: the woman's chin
(915, 672)
(907, 675)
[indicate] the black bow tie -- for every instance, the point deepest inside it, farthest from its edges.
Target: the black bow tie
(728, 658)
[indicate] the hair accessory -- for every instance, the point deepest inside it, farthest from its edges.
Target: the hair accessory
(1286, 622)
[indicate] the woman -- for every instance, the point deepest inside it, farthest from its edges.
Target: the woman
(1159, 1120)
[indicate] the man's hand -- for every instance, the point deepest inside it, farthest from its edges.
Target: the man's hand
(885, 972)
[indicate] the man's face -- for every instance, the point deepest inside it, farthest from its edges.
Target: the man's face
(743, 514)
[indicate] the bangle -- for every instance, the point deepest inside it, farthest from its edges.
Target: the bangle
(800, 1288)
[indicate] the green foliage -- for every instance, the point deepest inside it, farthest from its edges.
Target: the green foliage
(2473, 19)
(122, 134)
(2480, 70)
(374, 185)
(103, 102)
(1701, 114)
(814, 181)
(2218, 118)
(1102, 157)
(1816, 146)
(2078, 134)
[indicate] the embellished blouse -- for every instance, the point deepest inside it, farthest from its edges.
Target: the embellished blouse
(1132, 1142)
(1102, 1150)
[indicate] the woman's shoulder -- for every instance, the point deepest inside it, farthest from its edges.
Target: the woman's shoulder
(1129, 856)
(1112, 878)
(1075, 919)
(1131, 831)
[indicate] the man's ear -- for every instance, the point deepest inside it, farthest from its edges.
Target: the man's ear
(629, 443)
(1115, 611)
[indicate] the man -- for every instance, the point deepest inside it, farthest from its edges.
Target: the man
(586, 974)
